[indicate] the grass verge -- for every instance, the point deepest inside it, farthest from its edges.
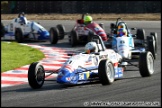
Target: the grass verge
(14, 55)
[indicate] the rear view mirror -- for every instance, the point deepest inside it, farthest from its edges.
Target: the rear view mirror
(80, 21)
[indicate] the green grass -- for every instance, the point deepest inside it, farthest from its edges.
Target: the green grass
(14, 55)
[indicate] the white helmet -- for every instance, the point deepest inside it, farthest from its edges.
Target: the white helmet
(91, 46)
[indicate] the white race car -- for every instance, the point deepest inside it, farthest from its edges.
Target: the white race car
(16, 30)
(104, 65)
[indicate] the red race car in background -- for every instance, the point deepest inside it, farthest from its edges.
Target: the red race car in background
(80, 33)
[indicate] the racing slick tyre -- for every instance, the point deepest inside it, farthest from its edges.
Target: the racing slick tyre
(141, 34)
(151, 45)
(61, 30)
(146, 64)
(19, 35)
(54, 34)
(2, 30)
(155, 37)
(74, 38)
(106, 72)
(36, 75)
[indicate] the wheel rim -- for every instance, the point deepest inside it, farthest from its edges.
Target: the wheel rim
(150, 64)
(40, 75)
(110, 72)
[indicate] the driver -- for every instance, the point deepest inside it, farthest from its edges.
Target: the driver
(22, 17)
(87, 19)
(122, 32)
(91, 47)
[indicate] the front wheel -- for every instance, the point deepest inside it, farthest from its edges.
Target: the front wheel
(36, 75)
(146, 64)
(19, 35)
(54, 35)
(106, 72)
(141, 34)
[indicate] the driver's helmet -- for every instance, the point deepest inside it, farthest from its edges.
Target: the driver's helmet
(91, 47)
(87, 19)
(21, 14)
(121, 25)
(22, 20)
(122, 32)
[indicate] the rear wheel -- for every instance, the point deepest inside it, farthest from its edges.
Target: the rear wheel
(146, 64)
(74, 40)
(36, 75)
(54, 35)
(19, 35)
(61, 30)
(106, 72)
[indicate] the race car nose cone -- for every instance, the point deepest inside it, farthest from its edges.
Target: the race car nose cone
(63, 76)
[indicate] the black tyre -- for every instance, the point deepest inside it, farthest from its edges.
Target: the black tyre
(146, 64)
(2, 30)
(74, 38)
(61, 30)
(54, 34)
(151, 45)
(141, 34)
(19, 35)
(36, 75)
(156, 41)
(106, 72)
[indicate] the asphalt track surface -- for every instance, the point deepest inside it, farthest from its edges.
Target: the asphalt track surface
(130, 90)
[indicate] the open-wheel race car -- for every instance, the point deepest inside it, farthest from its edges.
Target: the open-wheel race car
(137, 42)
(80, 33)
(21, 30)
(105, 65)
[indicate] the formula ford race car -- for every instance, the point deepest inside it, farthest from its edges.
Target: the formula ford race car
(104, 66)
(79, 34)
(137, 42)
(20, 31)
